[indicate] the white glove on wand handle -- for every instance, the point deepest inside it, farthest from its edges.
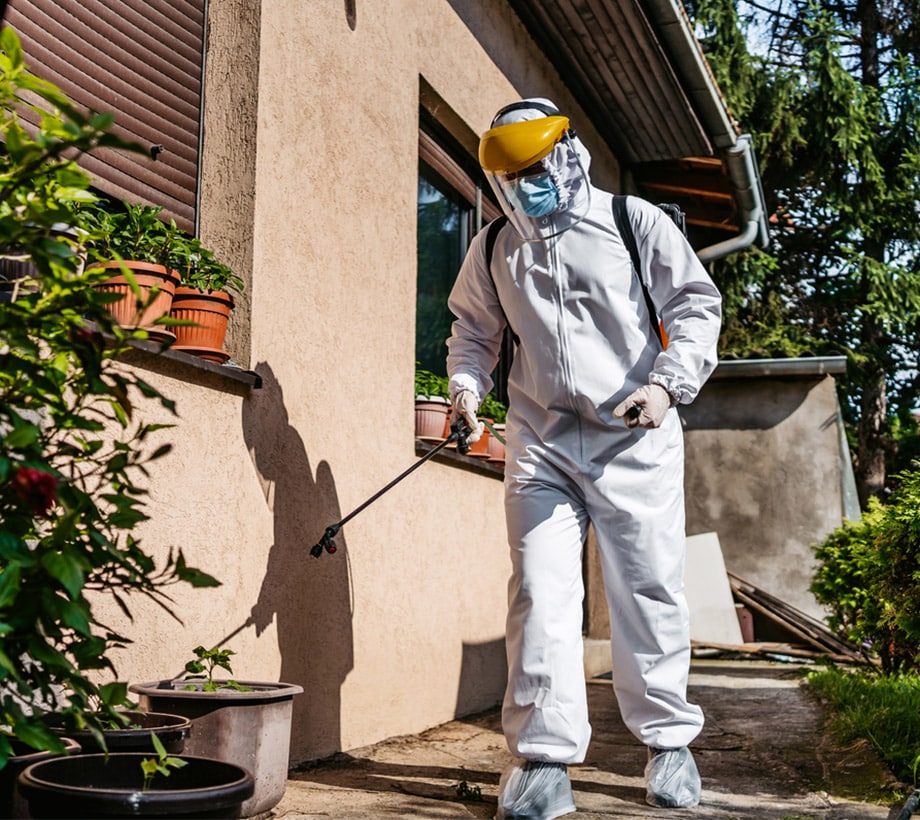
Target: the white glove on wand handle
(465, 406)
(645, 407)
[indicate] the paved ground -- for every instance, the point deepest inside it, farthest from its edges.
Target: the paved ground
(763, 754)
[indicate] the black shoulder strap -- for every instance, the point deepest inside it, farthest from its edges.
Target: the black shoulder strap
(621, 217)
(492, 231)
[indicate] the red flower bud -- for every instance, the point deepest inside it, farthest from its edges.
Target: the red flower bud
(36, 488)
(84, 336)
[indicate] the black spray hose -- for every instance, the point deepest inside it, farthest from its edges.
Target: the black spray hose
(910, 806)
(459, 432)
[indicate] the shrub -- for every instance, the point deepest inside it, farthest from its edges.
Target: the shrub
(868, 576)
(72, 443)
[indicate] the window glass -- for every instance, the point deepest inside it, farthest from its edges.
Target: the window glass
(443, 236)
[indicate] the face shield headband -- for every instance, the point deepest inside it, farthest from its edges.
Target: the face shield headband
(534, 168)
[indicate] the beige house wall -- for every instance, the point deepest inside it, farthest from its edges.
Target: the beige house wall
(309, 189)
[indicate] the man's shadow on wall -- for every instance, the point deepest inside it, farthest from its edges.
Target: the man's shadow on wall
(309, 597)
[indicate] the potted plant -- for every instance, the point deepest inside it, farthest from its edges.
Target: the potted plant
(135, 246)
(74, 440)
(127, 730)
(132, 784)
(243, 722)
(203, 300)
(432, 405)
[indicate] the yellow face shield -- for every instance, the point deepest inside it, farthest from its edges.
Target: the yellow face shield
(507, 149)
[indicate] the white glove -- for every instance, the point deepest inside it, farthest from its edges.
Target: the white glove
(649, 405)
(465, 407)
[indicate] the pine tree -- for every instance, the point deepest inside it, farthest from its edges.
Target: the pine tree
(831, 91)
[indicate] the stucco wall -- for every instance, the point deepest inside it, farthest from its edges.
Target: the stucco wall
(309, 189)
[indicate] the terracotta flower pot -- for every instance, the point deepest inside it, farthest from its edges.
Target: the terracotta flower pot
(210, 311)
(157, 286)
(431, 416)
(496, 448)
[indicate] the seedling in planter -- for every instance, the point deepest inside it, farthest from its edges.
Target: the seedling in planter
(161, 764)
(209, 660)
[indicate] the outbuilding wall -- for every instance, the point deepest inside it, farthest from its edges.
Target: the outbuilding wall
(768, 469)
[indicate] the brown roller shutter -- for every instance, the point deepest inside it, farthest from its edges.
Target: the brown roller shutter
(141, 60)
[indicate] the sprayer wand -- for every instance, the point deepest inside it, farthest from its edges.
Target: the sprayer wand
(459, 432)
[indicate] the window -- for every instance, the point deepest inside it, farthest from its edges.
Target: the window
(453, 204)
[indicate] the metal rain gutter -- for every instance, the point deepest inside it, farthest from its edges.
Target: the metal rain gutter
(671, 21)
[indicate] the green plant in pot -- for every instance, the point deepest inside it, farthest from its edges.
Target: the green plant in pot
(127, 730)
(203, 301)
(202, 669)
(154, 784)
(74, 441)
(132, 784)
(247, 723)
(135, 246)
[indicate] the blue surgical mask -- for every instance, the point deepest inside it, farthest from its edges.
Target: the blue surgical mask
(535, 196)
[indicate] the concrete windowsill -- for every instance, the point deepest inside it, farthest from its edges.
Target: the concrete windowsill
(188, 368)
(449, 456)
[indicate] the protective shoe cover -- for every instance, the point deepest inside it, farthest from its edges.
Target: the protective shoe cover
(672, 779)
(535, 791)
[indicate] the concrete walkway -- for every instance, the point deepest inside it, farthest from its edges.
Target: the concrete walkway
(763, 754)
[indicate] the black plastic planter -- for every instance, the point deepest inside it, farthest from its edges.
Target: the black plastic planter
(89, 786)
(172, 731)
(12, 803)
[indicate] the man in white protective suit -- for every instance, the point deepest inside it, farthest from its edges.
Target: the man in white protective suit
(593, 436)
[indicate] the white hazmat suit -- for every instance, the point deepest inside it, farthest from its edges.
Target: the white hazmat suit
(587, 343)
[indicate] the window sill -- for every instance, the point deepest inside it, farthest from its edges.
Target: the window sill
(188, 368)
(470, 463)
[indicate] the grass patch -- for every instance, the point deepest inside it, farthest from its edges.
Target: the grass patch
(885, 711)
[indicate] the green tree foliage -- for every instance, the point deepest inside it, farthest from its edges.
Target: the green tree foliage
(74, 447)
(868, 576)
(831, 93)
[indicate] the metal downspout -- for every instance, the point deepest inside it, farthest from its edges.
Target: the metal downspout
(748, 194)
(677, 35)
